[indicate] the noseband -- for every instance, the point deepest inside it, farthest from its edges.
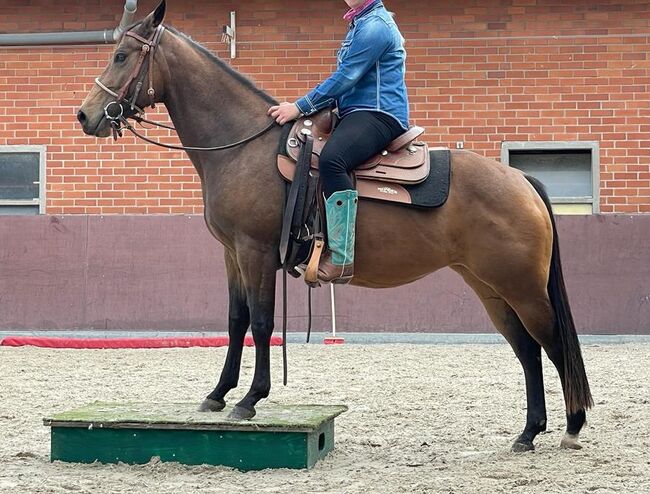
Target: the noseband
(117, 118)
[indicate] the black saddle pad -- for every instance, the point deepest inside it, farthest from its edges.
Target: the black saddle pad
(433, 192)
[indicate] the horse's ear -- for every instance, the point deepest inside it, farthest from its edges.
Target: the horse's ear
(153, 20)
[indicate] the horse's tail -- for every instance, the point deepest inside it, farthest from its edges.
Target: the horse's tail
(576, 387)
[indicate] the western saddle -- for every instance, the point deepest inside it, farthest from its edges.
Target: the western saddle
(404, 162)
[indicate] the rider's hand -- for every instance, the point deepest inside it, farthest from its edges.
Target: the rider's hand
(284, 112)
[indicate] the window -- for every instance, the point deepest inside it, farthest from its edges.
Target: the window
(22, 180)
(569, 170)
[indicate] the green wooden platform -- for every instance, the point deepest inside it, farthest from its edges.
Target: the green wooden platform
(279, 436)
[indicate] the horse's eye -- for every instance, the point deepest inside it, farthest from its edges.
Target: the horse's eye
(120, 57)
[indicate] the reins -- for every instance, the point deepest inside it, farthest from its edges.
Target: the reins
(140, 119)
(119, 121)
(126, 125)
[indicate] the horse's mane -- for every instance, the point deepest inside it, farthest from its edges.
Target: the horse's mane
(245, 81)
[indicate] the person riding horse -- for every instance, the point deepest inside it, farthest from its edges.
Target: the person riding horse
(496, 229)
(369, 89)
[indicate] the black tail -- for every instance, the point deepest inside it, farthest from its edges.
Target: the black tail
(576, 388)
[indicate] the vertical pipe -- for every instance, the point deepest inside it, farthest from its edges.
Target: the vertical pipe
(333, 299)
(233, 43)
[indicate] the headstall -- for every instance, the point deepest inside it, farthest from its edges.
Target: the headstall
(114, 110)
(148, 48)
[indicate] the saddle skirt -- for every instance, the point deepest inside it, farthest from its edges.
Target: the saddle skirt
(388, 176)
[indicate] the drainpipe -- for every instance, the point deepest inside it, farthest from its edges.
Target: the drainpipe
(74, 37)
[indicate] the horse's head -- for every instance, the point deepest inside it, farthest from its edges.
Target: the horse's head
(130, 81)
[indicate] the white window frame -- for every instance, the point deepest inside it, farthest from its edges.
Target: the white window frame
(41, 200)
(593, 146)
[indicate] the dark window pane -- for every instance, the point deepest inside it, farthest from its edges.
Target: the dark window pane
(18, 172)
(18, 210)
(565, 173)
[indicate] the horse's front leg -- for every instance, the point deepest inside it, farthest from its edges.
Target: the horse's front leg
(259, 273)
(238, 322)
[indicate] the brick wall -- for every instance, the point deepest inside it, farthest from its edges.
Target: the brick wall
(479, 71)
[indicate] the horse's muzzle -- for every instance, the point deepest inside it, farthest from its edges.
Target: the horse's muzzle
(99, 128)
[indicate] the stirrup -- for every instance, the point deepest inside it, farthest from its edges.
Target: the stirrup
(342, 279)
(311, 271)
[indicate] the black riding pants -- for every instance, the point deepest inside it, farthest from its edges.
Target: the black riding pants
(358, 137)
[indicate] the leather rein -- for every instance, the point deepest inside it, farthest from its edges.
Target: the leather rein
(119, 121)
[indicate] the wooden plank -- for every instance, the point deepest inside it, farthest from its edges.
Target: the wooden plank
(270, 417)
(280, 436)
(243, 450)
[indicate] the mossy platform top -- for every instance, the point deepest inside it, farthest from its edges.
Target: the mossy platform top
(133, 415)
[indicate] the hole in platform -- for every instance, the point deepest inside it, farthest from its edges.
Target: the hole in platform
(321, 442)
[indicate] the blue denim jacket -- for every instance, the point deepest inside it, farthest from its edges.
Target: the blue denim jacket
(370, 70)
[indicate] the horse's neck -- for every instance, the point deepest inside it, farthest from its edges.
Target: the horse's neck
(207, 104)
(211, 106)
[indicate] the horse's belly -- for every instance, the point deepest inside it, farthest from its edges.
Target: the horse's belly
(383, 272)
(397, 245)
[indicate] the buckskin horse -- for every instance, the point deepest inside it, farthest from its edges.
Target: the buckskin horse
(496, 228)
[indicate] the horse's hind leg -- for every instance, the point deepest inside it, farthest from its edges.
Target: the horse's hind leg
(238, 322)
(527, 350)
(541, 323)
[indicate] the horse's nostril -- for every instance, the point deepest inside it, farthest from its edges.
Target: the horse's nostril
(81, 116)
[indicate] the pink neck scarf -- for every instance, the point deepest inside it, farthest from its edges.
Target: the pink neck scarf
(352, 13)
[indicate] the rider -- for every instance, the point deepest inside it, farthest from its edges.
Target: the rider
(369, 89)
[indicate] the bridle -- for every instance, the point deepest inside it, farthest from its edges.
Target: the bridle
(148, 47)
(118, 119)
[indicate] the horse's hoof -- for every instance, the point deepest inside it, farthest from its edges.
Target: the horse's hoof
(570, 441)
(241, 413)
(522, 447)
(209, 405)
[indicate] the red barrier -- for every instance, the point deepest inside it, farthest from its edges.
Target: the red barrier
(108, 343)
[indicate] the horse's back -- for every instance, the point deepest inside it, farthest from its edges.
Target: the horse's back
(486, 193)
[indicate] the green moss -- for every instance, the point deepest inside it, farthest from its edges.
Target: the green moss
(185, 416)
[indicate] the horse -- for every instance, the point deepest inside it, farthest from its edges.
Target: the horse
(496, 229)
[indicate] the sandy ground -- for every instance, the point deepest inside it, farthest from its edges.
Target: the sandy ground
(422, 419)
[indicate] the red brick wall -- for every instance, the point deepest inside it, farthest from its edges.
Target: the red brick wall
(479, 71)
